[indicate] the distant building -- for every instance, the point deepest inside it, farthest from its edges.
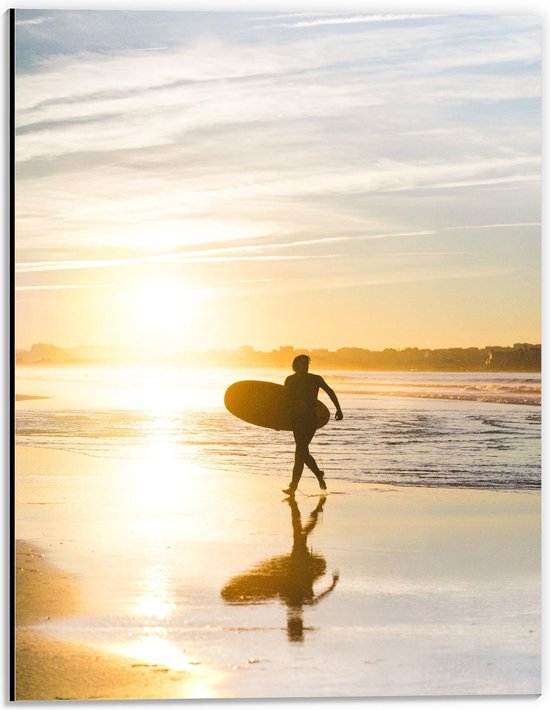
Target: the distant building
(522, 357)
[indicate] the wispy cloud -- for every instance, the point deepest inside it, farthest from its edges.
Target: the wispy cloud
(31, 267)
(212, 255)
(282, 16)
(32, 21)
(59, 287)
(512, 225)
(355, 19)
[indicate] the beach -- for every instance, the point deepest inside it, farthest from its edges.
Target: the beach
(163, 578)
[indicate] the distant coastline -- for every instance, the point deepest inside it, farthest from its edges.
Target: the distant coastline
(25, 397)
(520, 357)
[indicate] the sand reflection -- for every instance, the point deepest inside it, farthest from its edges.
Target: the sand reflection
(156, 600)
(160, 495)
(290, 578)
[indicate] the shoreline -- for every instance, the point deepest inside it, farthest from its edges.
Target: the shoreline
(364, 485)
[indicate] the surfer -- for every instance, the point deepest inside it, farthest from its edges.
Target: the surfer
(304, 387)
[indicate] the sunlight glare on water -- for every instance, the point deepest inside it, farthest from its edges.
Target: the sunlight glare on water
(153, 389)
(155, 600)
(160, 393)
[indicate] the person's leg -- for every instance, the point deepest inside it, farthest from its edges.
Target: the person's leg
(310, 461)
(300, 437)
(308, 458)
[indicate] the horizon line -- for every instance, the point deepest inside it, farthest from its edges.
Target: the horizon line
(280, 348)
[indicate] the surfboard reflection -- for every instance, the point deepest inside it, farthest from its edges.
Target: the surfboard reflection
(287, 577)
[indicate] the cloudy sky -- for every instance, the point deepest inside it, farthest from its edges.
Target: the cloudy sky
(198, 180)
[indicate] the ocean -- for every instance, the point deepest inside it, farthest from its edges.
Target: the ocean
(460, 430)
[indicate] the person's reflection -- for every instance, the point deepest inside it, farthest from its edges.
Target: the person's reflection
(289, 577)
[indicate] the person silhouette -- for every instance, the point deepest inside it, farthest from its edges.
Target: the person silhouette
(288, 577)
(303, 388)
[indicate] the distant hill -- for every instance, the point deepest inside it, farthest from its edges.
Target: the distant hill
(48, 354)
(43, 353)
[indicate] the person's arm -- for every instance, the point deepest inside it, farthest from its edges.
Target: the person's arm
(334, 399)
(335, 578)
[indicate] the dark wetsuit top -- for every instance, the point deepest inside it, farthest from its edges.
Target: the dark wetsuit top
(304, 390)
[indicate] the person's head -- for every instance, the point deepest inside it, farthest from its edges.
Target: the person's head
(300, 364)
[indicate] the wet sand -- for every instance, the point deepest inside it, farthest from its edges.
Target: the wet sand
(160, 579)
(47, 669)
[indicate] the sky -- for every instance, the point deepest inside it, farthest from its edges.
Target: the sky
(191, 180)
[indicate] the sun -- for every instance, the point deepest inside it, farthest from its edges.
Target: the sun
(161, 302)
(159, 314)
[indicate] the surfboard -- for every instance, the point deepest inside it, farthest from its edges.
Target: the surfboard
(265, 404)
